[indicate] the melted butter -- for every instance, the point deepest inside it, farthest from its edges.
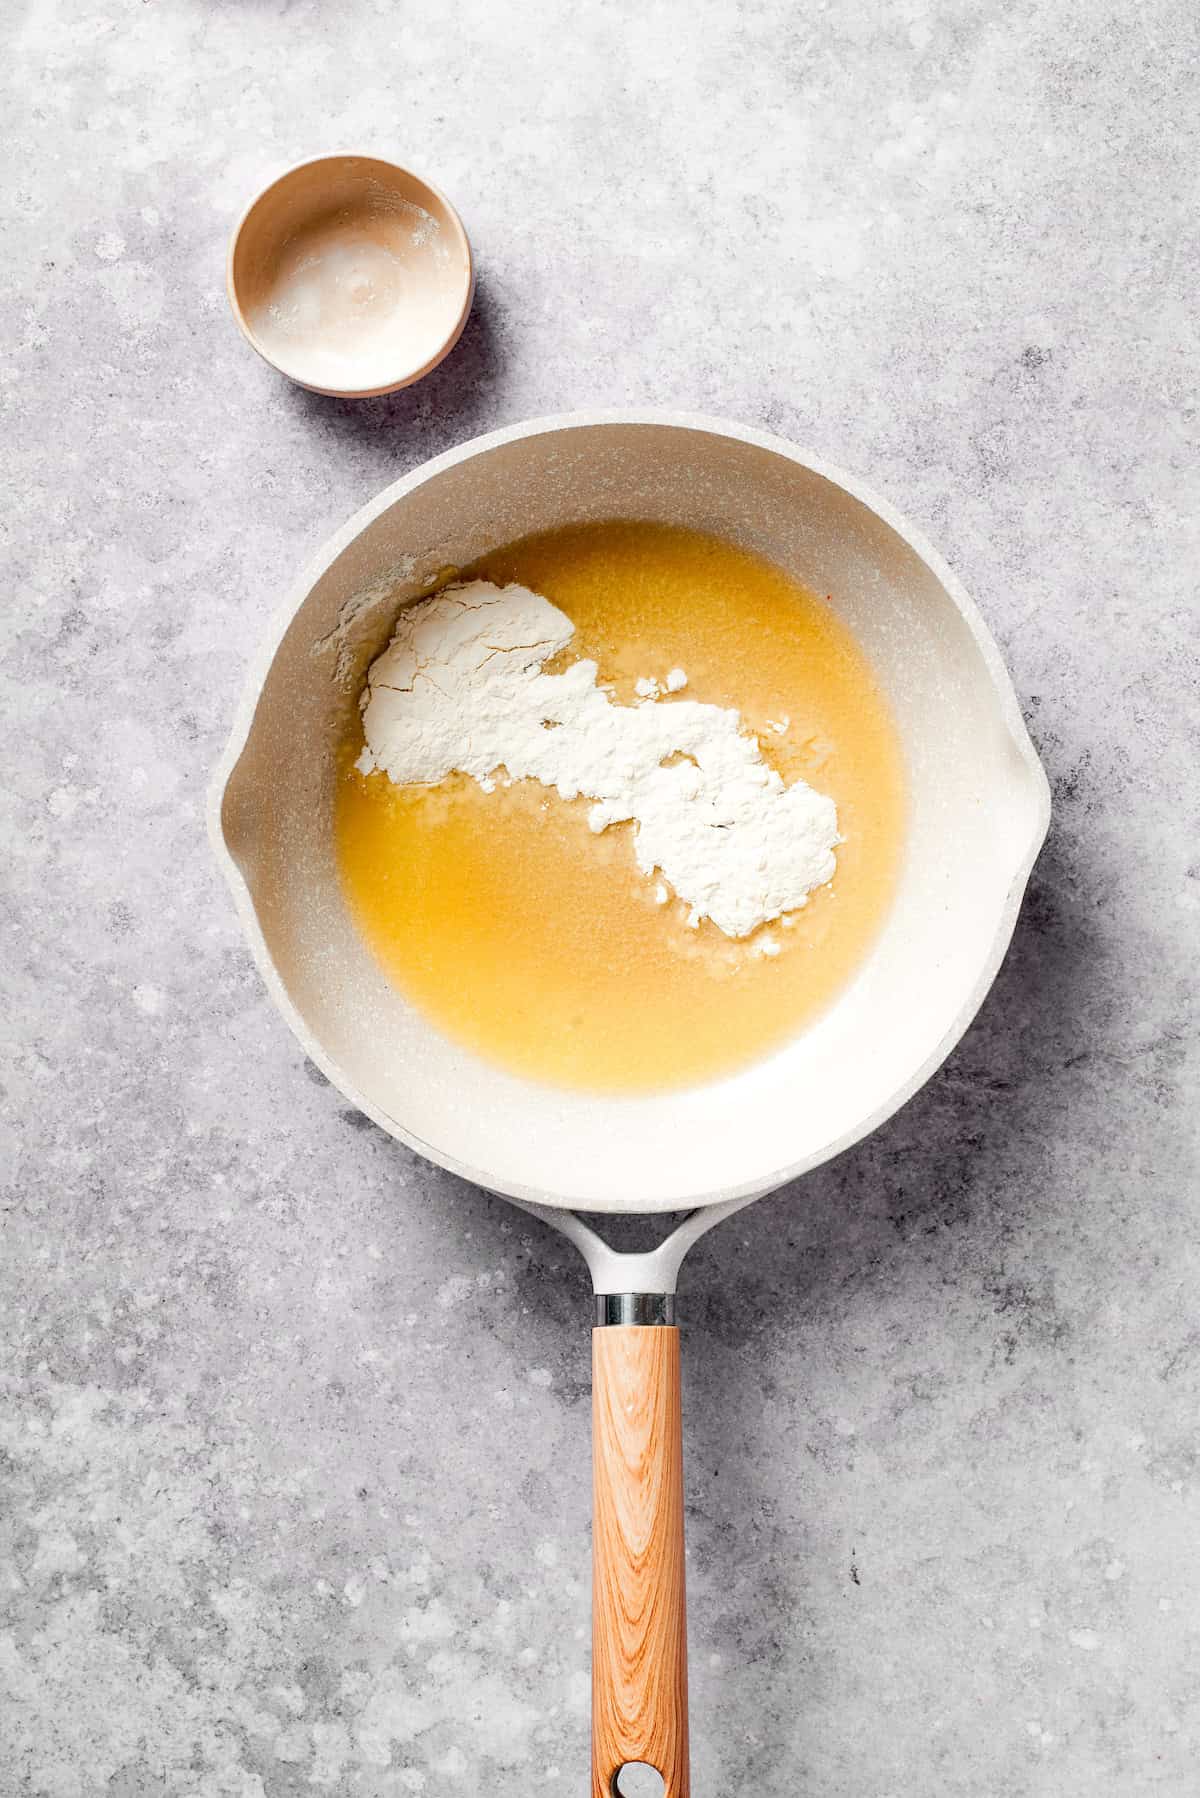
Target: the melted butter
(538, 944)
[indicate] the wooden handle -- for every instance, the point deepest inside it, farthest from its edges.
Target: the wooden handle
(639, 1619)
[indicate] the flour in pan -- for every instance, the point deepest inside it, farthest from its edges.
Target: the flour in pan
(462, 687)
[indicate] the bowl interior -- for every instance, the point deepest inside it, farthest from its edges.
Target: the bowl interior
(406, 225)
(978, 813)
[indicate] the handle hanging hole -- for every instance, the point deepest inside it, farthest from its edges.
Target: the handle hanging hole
(637, 1779)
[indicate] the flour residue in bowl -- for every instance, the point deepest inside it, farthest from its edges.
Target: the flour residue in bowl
(625, 809)
(463, 688)
(360, 296)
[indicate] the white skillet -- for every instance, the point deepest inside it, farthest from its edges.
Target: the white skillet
(979, 806)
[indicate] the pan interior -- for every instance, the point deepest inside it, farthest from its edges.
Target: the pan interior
(976, 798)
(524, 935)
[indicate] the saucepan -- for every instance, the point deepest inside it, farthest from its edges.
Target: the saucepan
(978, 812)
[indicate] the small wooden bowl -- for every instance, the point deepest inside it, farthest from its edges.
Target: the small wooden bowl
(351, 276)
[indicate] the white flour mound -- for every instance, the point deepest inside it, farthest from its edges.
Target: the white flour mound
(461, 687)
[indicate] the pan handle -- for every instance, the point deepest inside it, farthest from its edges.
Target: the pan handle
(639, 1621)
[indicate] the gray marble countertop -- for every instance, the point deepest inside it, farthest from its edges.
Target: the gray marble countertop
(294, 1428)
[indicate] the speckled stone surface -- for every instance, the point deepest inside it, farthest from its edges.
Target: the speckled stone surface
(294, 1429)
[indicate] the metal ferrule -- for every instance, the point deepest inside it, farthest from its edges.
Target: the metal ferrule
(634, 1308)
